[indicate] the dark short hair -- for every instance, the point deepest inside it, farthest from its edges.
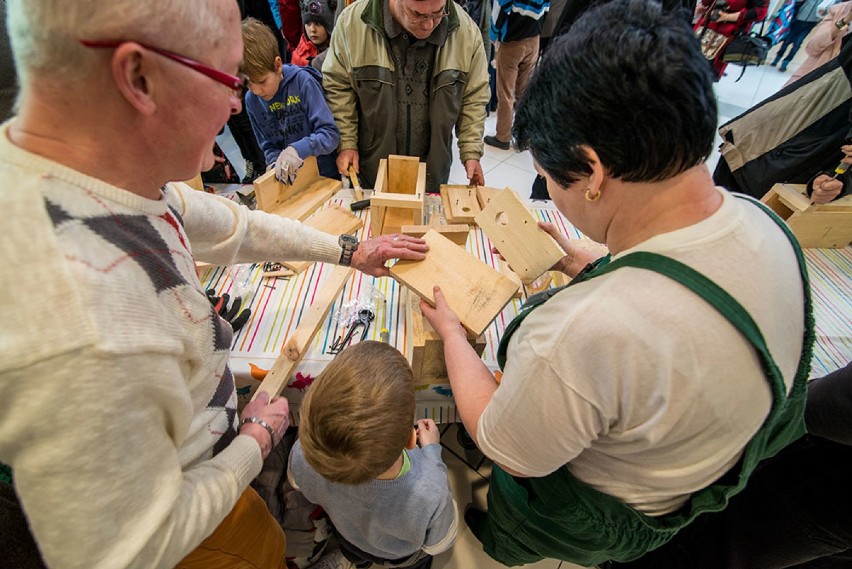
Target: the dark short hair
(629, 81)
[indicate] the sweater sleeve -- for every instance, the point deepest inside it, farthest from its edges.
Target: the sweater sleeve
(339, 91)
(444, 525)
(224, 232)
(470, 126)
(325, 135)
(107, 491)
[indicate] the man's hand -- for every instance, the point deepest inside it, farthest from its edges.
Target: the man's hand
(345, 158)
(826, 189)
(442, 318)
(427, 432)
(847, 151)
(275, 413)
(287, 164)
(473, 169)
(371, 255)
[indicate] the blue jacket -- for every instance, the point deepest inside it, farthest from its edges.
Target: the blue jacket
(296, 116)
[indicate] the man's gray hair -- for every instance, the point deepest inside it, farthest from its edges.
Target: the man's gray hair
(44, 33)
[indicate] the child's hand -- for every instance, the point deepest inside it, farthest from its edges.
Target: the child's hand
(287, 164)
(427, 432)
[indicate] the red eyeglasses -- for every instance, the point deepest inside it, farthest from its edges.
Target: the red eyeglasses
(233, 82)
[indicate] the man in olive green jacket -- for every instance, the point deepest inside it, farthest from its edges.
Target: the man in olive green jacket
(399, 75)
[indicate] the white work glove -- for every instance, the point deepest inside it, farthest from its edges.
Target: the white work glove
(287, 164)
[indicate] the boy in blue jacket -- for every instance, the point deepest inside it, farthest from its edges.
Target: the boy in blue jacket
(287, 108)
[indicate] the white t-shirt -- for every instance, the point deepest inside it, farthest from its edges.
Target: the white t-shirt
(641, 387)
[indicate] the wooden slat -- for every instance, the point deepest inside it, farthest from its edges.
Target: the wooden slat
(457, 233)
(377, 214)
(529, 250)
(405, 201)
(297, 346)
(476, 292)
(460, 203)
(309, 200)
(402, 174)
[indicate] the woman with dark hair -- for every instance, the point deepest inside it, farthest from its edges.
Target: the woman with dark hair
(646, 393)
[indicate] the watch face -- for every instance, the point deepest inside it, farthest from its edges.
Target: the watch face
(348, 240)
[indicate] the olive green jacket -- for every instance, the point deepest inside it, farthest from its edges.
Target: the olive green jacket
(359, 83)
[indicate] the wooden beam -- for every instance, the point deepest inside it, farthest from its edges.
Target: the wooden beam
(457, 233)
(406, 201)
(529, 250)
(460, 203)
(297, 345)
(476, 292)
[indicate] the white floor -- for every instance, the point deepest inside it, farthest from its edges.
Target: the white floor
(504, 168)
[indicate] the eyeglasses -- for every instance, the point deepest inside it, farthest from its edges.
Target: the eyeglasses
(233, 82)
(418, 18)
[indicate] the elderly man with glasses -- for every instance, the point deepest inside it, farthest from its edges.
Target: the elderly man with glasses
(118, 412)
(400, 75)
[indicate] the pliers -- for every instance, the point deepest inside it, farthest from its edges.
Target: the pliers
(365, 316)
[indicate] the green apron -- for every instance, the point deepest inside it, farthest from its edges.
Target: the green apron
(559, 517)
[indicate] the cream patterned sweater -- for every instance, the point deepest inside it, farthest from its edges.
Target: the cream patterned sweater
(118, 409)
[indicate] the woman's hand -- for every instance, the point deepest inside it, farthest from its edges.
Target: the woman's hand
(826, 189)
(575, 258)
(275, 413)
(442, 318)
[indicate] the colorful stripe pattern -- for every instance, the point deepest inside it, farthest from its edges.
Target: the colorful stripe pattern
(277, 306)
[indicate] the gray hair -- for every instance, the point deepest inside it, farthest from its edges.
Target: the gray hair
(44, 33)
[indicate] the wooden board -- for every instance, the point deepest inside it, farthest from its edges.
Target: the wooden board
(460, 203)
(476, 292)
(822, 226)
(297, 200)
(398, 196)
(402, 174)
(305, 203)
(427, 349)
(334, 220)
(457, 233)
(297, 346)
(484, 194)
(510, 226)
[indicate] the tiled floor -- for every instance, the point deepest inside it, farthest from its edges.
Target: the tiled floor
(504, 168)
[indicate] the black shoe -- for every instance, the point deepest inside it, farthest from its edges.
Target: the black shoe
(495, 142)
(783, 67)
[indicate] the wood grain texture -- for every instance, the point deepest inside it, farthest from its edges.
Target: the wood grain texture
(457, 232)
(297, 345)
(484, 194)
(510, 226)
(402, 174)
(823, 226)
(398, 197)
(461, 203)
(377, 214)
(270, 193)
(476, 292)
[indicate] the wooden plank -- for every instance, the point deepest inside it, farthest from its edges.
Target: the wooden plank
(484, 194)
(457, 233)
(356, 185)
(510, 226)
(406, 201)
(333, 219)
(402, 174)
(377, 214)
(309, 200)
(428, 364)
(822, 226)
(297, 346)
(460, 203)
(476, 292)
(270, 193)
(396, 218)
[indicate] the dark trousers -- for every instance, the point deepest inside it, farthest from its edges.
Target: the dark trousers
(796, 511)
(363, 559)
(799, 30)
(240, 126)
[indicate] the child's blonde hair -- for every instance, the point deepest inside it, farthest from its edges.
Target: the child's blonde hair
(260, 49)
(357, 416)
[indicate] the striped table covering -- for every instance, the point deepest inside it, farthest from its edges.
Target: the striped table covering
(277, 306)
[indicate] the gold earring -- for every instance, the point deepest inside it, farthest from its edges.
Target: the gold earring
(590, 196)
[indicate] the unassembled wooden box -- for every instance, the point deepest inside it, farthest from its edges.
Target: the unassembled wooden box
(823, 226)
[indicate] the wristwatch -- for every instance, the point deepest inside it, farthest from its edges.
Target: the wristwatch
(350, 245)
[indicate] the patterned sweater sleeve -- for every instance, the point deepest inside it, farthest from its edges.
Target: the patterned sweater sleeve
(224, 232)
